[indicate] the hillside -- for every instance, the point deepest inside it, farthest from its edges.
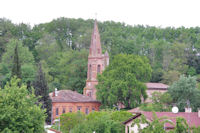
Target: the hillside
(62, 47)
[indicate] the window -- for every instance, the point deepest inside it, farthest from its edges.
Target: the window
(86, 111)
(90, 71)
(63, 110)
(98, 68)
(93, 109)
(78, 108)
(70, 109)
(57, 111)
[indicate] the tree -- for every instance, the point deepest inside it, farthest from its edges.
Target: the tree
(155, 125)
(103, 122)
(123, 81)
(181, 126)
(183, 90)
(69, 120)
(18, 111)
(23, 57)
(16, 70)
(42, 91)
(160, 103)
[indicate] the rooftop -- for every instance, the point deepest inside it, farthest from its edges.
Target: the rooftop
(156, 86)
(70, 96)
(191, 118)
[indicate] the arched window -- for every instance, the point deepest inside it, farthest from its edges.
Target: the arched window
(98, 68)
(90, 71)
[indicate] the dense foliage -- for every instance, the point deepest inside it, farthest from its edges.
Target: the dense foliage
(185, 93)
(123, 81)
(161, 102)
(108, 121)
(101, 122)
(18, 111)
(42, 92)
(171, 51)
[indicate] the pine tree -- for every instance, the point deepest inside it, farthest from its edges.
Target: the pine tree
(42, 90)
(16, 70)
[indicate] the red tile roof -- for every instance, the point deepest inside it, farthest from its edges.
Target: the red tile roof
(156, 86)
(136, 110)
(70, 96)
(191, 118)
(54, 130)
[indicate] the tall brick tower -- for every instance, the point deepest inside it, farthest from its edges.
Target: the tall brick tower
(96, 63)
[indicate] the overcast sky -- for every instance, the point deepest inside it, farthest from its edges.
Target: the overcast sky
(162, 13)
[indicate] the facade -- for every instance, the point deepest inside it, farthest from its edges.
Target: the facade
(65, 101)
(97, 62)
(155, 87)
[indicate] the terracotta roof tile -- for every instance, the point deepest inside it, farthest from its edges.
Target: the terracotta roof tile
(191, 118)
(70, 96)
(156, 86)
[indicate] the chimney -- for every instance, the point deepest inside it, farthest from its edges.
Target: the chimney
(188, 110)
(56, 92)
(199, 112)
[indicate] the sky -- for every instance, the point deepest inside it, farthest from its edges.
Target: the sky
(160, 13)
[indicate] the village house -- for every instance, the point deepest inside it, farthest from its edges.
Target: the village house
(192, 118)
(155, 87)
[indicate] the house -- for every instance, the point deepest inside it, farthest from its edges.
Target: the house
(155, 87)
(65, 101)
(192, 118)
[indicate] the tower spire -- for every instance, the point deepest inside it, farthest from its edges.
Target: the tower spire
(95, 45)
(96, 63)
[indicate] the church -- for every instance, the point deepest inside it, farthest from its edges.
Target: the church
(64, 101)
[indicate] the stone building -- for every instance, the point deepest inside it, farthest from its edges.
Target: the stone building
(97, 62)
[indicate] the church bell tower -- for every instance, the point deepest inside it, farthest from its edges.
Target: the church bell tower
(96, 63)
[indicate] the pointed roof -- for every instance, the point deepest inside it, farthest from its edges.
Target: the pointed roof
(95, 45)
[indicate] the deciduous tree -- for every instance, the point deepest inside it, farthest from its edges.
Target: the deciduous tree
(123, 81)
(18, 111)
